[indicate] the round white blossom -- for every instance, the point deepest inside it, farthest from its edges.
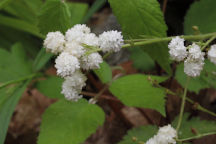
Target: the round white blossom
(82, 27)
(193, 68)
(54, 42)
(73, 85)
(74, 35)
(212, 54)
(66, 64)
(91, 39)
(194, 63)
(166, 135)
(152, 140)
(91, 61)
(195, 52)
(111, 41)
(74, 49)
(177, 50)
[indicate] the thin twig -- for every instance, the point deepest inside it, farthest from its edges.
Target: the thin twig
(196, 137)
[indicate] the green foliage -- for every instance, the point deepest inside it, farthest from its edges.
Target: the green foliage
(41, 59)
(141, 134)
(8, 101)
(51, 87)
(104, 73)
(143, 17)
(69, 122)
(20, 25)
(142, 60)
(199, 126)
(202, 14)
(137, 90)
(3, 3)
(78, 11)
(54, 16)
(96, 6)
(14, 64)
(205, 80)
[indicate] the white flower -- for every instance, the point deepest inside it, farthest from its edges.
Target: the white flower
(194, 63)
(82, 27)
(73, 85)
(111, 41)
(74, 35)
(74, 49)
(195, 52)
(177, 50)
(91, 39)
(166, 135)
(66, 64)
(77, 33)
(212, 54)
(152, 140)
(91, 61)
(193, 68)
(54, 42)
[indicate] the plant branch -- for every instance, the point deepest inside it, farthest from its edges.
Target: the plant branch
(196, 137)
(182, 104)
(166, 39)
(18, 80)
(208, 42)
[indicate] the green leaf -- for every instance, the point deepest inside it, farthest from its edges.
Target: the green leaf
(205, 80)
(143, 17)
(198, 125)
(51, 87)
(15, 64)
(69, 122)
(94, 8)
(202, 14)
(54, 16)
(142, 60)
(8, 101)
(104, 72)
(136, 90)
(20, 25)
(3, 3)
(78, 11)
(141, 134)
(41, 59)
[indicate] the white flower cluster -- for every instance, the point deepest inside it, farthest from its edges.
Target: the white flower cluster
(193, 58)
(78, 50)
(165, 135)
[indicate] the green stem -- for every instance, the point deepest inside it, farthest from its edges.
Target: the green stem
(182, 105)
(18, 80)
(196, 137)
(208, 42)
(166, 39)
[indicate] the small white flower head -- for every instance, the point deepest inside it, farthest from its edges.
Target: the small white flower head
(73, 85)
(91, 61)
(152, 140)
(212, 54)
(74, 35)
(193, 68)
(77, 33)
(74, 49)
(177, 50)
(91, 39)
(195, 52)
(70, 93)
(92, 101)
(66, 64)
(54, 42)
(82, 27)
(166, 135)
(111, 41)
